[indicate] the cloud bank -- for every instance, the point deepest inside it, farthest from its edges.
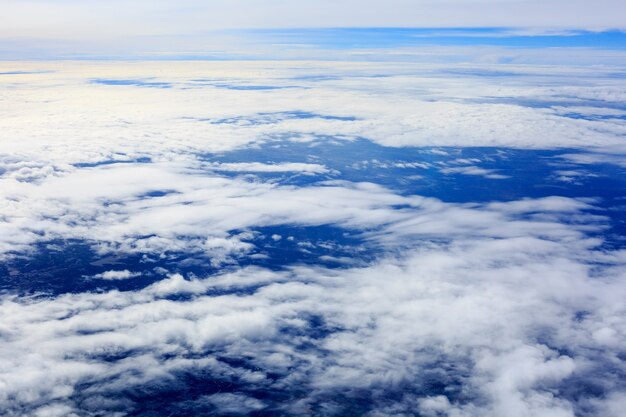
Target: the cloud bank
(509, 322)
(179, 180)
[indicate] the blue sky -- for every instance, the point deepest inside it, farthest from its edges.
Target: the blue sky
(38, 29)
(347, 38)
(102, 19)
(320, 43)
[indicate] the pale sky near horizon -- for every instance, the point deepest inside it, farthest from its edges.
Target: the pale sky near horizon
(99, 20)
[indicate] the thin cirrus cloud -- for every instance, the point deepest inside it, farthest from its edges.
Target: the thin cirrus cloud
(103, 19)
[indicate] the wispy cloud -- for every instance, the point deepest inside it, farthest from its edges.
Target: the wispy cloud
(474, 170)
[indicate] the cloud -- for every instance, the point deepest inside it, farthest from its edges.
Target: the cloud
(78, 163)
(592, 111)
(499, 317)
(497, 308)
(573, 176)
(434, 110)
(474, 170)
(105, 204)
(115, 275)
(590, 158)
(259, 167)
(234, 404)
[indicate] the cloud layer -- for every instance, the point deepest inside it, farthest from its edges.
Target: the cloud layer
(510, 322)
(407, 305)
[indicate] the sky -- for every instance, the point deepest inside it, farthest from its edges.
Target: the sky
(48, 29)
(99, 19)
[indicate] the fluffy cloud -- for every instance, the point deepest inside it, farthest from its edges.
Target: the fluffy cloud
(432, 110)
(504, 308)
(114, 275)
(509, 323)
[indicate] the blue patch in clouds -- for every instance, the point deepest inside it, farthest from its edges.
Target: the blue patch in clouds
(134, 83)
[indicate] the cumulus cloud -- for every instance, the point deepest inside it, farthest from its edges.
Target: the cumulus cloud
(433, 110)
(505, 308)
(497, 318)
(105, 204)
(114, 275)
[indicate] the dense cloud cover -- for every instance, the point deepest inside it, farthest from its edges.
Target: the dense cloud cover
(288, 238)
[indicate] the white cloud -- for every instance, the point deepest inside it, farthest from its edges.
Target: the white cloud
(509, 303)
(60, 119)
(573, 176)
(414, 106)
(588, 158)
(234, 403)
(591, 111)
(474, 170)
(259, 167)
(502, 311)
(115, 275)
